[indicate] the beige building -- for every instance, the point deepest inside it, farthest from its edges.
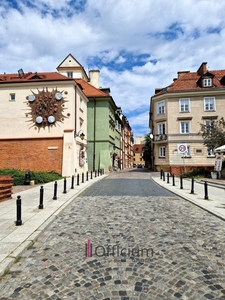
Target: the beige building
(43, 120)
(138, 150)
(175, 116)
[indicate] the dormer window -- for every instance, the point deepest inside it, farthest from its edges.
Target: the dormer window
(207, 82)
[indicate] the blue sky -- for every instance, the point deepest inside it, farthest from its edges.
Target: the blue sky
(137, 45)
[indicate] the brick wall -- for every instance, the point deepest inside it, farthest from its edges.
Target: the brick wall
(32, 154)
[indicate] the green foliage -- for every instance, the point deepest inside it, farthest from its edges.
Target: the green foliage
(198, 172)
(147, 149)
(214, 134)
(38, 177)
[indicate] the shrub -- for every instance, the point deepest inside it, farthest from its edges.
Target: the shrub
(198, 172)
(39, 177)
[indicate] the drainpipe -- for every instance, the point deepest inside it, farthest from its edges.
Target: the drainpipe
(75, 125)
(94, 134)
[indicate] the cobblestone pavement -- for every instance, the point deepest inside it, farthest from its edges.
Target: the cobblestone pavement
(143, 247)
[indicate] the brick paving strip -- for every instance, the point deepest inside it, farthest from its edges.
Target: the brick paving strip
(187, 262)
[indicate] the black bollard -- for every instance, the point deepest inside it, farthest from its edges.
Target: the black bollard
(168, 178)
(192, 185)
(206, 190)
(103, 172)
(27, 178)
(181, 182)
(87, 176)
(82, 177)
(163, 176)
(41, 206)
(72, 182)
(18, 211)
(173, 180)
(91, 174)
(64, 185)
(55, 191)
(95, 173)
(78, 177)
(98, 172)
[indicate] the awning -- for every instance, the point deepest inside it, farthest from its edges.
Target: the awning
(220, 149)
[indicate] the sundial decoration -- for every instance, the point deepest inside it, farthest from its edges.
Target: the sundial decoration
(46, 108)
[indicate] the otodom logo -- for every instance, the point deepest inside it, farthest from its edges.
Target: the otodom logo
(117, 250)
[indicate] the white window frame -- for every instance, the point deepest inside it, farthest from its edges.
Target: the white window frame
(12, 97)
(161, 128)
(187, 153)
(184, 127)
(207, 82)
(161, 107)
(210, 152)
(70, 74)
(162, 151)
(184, 104)
(209, 104)
(209, 124)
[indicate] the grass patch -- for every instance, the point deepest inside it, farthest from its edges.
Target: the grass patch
(18, 259)
(30, 247)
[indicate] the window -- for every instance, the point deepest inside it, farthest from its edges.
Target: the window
(81, 104)
(162, 151)
(210, 152)
(160, 108)
(187, 153)
(70, 74)
(207, 82)
(161, 128)
(184, 127)
(12, 97)
(184, 105)
(209, 125)
(209, 104)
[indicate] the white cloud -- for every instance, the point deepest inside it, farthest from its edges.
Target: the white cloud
(37, 36)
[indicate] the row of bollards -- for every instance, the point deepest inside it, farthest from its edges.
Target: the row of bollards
(18, 221)
(162, 176)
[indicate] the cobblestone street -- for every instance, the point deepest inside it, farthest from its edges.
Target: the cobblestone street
(155, 246)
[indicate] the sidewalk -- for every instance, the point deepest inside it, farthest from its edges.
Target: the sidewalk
(14, 240)
(215, 188)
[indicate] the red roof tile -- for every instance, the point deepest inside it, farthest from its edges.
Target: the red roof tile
(191, 81)
(42, 76)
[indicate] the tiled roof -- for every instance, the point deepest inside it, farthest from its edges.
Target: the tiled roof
(191, 81)
(138, 148)
(42, 76)
(89, 90)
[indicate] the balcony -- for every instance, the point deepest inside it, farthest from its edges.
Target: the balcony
(159, 137)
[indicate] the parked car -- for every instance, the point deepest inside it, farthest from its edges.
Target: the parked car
(139, 165)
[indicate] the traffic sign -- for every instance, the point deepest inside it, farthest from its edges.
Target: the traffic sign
(182, 148)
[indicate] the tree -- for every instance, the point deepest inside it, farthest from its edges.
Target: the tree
(147, 149)
(213, 133)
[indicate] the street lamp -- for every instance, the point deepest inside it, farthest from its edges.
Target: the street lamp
(80, 134)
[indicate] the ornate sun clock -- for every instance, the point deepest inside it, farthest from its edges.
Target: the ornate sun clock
(46, 108)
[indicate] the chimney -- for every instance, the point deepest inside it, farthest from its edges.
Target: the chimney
(94, 76)
(182, 73)
(202, 69)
